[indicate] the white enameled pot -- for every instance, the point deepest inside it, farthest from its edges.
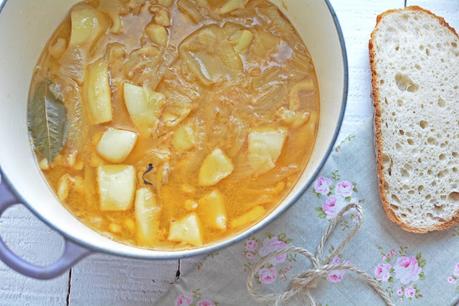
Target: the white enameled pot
(25, 27)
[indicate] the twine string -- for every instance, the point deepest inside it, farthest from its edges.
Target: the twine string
(307, 280)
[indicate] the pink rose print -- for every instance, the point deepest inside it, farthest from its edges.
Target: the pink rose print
(257, 248)
(322, 185)
(399, 268)
(335, 260)
(332, 206)
(382, 272)
(456, 270)
(344, 189)
(205, 302)
(336, 276)
(410, 292)
(407, 269)
(251, 245)
(267, 275)
(453, 279)
(279, 259)
(272, 245)
(250, 256)
(184, 300)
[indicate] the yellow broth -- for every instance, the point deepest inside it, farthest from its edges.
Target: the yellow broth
(230, 125)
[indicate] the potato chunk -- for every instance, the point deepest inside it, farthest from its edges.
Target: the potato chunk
(115, 145)
(187, 229)
(157, 33)
(147, 213)
(116, 187)
(144, 107)
(265, 146)
(215, 167)
(184, 138)
(249, 217)
(98, 94)
(231, 5)
(87, 25)
(244, 40)
(63, 187)
(212, 210)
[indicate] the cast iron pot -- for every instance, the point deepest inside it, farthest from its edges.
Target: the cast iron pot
(25, 27)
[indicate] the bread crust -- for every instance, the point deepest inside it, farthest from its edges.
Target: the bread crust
(378, 130)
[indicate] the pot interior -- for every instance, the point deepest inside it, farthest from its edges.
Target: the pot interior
(25, 27)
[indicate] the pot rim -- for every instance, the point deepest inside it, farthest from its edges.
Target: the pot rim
(206, 249)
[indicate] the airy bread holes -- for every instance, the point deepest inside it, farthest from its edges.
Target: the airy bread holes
(438, 207)
(435, 218)
(404, 173)
(431, 141)
(387, 163)
(441, 102)
(454, 196)
(423, 124)
(442, 173)
(404, 83)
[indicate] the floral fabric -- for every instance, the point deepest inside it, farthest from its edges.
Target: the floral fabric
(413, 269)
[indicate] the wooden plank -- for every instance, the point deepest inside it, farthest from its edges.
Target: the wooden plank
(357, 19)
(110, 280)
(34, 241)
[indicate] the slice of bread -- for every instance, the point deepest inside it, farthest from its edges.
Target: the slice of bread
(414, 58)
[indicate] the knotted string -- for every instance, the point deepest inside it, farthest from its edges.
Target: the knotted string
(305, 281)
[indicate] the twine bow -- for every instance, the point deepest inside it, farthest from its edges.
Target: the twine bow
(305, 281)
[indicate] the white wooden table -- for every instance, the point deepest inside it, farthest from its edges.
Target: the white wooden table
(108, 280)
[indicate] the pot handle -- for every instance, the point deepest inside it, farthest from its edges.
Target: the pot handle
(71, 255)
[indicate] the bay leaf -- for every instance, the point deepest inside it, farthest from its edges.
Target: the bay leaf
(68, 91)
(47, 118)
